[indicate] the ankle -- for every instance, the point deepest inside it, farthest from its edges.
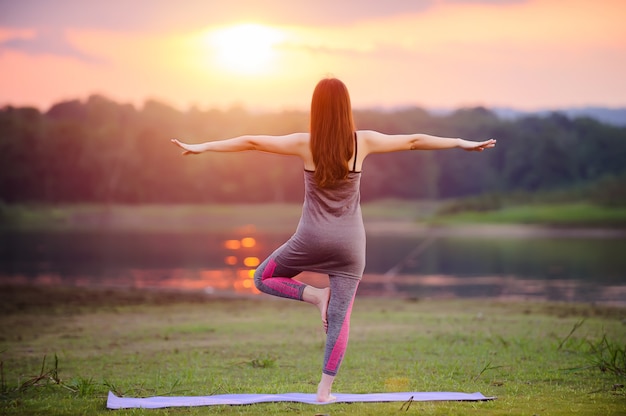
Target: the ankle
(326, 383)
(311, 295)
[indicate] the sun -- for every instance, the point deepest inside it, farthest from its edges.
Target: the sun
(245, 49)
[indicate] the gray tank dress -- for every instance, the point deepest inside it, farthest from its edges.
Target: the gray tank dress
(330, 237)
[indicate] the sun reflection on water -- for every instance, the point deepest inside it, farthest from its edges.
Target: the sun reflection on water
(225, 264)
(244, 252)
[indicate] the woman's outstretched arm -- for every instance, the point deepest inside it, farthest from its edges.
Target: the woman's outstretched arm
(290, 144)
(383, 143)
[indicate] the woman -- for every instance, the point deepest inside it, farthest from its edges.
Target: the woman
(330, 237)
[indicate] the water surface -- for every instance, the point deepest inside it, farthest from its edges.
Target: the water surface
(556, 267)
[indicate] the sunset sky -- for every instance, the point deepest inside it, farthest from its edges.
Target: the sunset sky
(268, 55)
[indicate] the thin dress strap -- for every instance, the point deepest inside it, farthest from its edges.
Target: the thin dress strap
(356, 148)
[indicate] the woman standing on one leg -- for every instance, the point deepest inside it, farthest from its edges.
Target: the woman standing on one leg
(330, 237)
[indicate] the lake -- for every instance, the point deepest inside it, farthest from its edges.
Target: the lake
(549, 265)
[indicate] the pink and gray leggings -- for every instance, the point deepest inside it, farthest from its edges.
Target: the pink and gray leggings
(273, 279)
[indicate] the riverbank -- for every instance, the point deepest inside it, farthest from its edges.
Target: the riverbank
(537, 358)
(576, 215)
(380, 217)
(268, 218)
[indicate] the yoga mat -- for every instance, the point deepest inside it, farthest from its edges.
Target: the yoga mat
(114, 402)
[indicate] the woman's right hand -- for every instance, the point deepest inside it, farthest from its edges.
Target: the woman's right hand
(477, 146)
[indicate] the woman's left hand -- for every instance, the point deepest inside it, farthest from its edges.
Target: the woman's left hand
(189, 149)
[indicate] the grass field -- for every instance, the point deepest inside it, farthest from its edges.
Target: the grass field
(281, 218)
(209, 218)
(537, 358)
(563, 215)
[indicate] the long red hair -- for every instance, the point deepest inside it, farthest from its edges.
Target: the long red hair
(332, 129)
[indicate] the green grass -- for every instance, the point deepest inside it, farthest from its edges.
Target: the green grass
(146, 218)
(566, 215)
(210, 217)
(283, 218)
(537, 358)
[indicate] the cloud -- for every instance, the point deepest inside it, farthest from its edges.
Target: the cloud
(489, 2)
(52, 42)
(52, 20)
(146, 15)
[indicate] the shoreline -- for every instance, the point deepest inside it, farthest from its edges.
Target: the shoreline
(491, 230)
(22, 297)
(381, 217)
(378, 227)
(375, 286)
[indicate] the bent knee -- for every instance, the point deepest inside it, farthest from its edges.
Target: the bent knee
(258, 277)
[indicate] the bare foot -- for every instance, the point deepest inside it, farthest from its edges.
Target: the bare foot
(319, 298)
(326, 399)
(323, 307)
(323, 394)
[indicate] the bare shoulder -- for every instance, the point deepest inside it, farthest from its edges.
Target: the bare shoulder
(369, 140)
(301, 138)
(365, 134)
(377, 142)
(370, 136)
(299, 142)
(293, 140)
(304, 149)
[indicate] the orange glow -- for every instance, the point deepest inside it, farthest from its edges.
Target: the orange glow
(207, 280)
(232, 244)
(251, 261)
(248, 242)
(230, 260)
(6, 34)
(531, 53)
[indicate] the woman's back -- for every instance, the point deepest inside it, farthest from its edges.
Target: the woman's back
(330, 237)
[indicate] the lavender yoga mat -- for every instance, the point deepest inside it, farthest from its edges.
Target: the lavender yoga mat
(114, 402)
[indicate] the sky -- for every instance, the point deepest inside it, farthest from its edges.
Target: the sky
(268, 55)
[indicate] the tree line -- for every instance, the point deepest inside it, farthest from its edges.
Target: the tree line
(100, 151)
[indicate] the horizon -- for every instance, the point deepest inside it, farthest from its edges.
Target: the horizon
(525, 55)
(433, 111)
